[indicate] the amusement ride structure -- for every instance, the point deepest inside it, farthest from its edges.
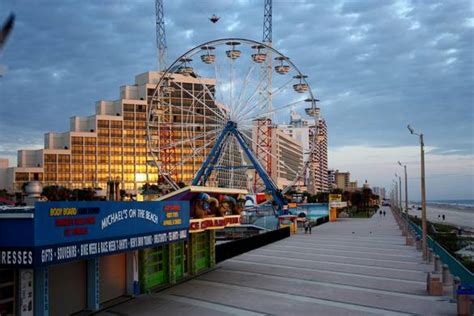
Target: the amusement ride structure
(217, 127)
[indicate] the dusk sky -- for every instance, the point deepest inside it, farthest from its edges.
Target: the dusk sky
(375, 65)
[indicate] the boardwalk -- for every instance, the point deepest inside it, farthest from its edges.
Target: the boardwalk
(351, 267)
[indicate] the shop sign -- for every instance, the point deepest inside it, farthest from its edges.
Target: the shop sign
(199, 225)
(67, 231)
(335, 198)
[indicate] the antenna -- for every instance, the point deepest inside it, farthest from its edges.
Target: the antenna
(160, 35)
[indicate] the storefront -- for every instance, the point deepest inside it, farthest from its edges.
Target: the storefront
(61, 257)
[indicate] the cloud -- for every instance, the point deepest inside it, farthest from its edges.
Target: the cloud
(375, 65)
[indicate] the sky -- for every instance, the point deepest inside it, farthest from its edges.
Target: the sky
(375, 65)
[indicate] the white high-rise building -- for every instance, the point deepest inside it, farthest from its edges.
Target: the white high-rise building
(302, 130)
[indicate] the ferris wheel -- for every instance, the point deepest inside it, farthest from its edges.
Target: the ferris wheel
(211, 122)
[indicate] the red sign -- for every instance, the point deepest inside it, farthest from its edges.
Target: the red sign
(199, 225)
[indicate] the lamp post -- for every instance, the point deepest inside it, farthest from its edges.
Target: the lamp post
(406, 186)
(395, 194)
(399, 191)
(423, 192)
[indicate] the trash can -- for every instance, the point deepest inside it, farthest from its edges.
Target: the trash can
(464, 292)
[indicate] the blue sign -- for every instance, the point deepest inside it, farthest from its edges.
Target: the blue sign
(67, 231)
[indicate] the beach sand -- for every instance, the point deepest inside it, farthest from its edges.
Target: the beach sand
(459, 216)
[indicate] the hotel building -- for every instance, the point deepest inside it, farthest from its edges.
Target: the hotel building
(112, 145)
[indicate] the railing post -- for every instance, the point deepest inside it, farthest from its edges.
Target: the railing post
(437, 264)
(456, 282)
(447, 280)
(418, 242)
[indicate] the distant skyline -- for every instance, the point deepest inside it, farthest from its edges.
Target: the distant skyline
(375, 65)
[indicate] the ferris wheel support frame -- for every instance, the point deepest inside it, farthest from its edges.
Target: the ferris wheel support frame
(208, 165)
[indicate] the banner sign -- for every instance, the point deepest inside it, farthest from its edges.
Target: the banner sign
(338, 204)
(199, 225)
(67, 231)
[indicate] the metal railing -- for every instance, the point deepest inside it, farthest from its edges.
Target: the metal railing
(237, 247)
(455, 267)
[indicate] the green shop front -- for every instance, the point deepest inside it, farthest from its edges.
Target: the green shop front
(210, 209)
(60, 258)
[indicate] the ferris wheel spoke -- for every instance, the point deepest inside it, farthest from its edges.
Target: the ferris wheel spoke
(211, 95)
(248, 105)
(272, 155)
(191, 113)
(201, 102)
(219, 81)
(249, 117)
(260, 105)
(243, 90)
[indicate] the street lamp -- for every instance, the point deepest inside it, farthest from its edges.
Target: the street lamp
(395, 195)
(399, 191)
(423, 192)
(406, 186)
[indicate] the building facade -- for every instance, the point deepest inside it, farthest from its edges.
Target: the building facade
(331, 179)
(342, 180)
(379, 191)
(316, 180)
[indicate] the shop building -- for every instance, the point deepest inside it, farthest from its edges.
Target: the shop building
(60, 258)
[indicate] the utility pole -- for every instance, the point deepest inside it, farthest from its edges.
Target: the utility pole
(423, 193)
(406, 190)
(406, 186)
(160, 35)
(400, 187)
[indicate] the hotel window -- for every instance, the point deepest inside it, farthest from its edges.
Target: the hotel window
(128, 107)
(22, 176)
(49, 158)
(103, 124)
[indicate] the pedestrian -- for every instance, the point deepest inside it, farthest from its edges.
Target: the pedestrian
(309, 227)
(380, 212)
(444, 217)
(384, 213)
(306, 225)
(439, 216)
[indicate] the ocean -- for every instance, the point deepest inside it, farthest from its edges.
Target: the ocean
(457, 203)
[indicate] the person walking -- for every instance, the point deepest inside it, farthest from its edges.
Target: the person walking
(309, 226)
(306, 225)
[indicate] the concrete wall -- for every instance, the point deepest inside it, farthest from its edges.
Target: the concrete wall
(30, 158)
